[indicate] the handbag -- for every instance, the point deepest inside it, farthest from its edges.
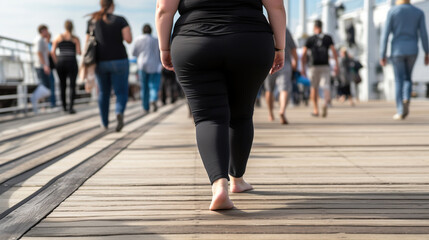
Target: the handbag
(89, 58)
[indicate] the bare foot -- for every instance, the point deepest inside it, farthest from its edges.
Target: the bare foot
(238, 185)
(271, 117)
(220, 199)
(283, 119)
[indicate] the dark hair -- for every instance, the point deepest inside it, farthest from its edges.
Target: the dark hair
(68, 25)
(41, 28)
(105, 5)
(318, 24)
(147, 29)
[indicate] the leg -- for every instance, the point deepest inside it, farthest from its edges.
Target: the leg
(284, 84)
(62, 74)
(144, 89)
(105, 87)
(154, 82)
(314, 90)
(400, 75)
(203, 82)
(120, 76)
(52, 87)
(257, 64)
(408, 84)
(73, 71)
(270, 83)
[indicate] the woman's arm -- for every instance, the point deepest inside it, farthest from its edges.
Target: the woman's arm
(126, 34)
(54, 49)
(165, 11)
(277, 17)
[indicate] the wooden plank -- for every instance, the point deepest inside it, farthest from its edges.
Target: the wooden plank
(15, 224)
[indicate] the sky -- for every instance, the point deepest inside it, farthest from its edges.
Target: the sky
(19, 18)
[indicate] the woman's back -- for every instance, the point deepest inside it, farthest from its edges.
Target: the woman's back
(220, 17)
(67, 49)
(109, 38)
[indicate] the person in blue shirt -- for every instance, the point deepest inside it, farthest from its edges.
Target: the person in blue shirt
(146, 51)
(406, 23)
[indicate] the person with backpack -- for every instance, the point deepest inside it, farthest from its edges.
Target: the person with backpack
(318, 47)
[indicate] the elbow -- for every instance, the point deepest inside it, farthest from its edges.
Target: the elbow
(162, 9)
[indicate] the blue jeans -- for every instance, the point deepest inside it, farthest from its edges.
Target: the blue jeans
(150, 83)
(43, 77)
(52, 87)
(112, 74)
(403, 68)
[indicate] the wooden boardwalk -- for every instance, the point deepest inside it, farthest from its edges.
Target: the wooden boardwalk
(356, 175)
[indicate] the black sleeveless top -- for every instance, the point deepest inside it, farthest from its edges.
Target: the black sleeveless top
(67, 50)
(220, 17)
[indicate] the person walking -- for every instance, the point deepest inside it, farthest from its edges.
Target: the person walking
(41, 64)
(346, 76)
(221, 52)
(320, 72)
(282, 80)
(66, 63)
(169, 86)
(406, 23)
(112, 60)
(51, 76)
(146, 51)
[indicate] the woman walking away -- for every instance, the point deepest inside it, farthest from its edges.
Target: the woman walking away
(112, 60)
(222, 51)
(406, 22)
(66, 63)
(346, 76)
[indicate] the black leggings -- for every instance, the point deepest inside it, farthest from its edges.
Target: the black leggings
(67, 69)
(221, 77)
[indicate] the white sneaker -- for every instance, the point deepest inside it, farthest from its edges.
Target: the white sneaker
(397, 117)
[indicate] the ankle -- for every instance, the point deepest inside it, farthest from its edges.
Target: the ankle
(220, 184)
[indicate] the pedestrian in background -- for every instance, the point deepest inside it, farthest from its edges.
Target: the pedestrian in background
(169, 86)
(51, 76)
(66, 63)
(282, 81)
(406, 23)
(319, 72)
(221, 62)
(41, 64)
(112, 60)
(149, 64)
(346, 76)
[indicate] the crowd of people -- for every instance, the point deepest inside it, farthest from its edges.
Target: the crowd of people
(222, 70)
(319, 67)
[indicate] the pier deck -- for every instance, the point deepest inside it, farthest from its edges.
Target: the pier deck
(356, 175)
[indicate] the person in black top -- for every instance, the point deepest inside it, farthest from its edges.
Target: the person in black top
(221, 51)
(66, 63)
(320, 72)
(112, 60)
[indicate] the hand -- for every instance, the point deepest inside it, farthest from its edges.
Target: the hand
(383, 62)
(166, 60)
(304, 73)
(279, 62)
(47, 69)
(427, 60)
(294, 65)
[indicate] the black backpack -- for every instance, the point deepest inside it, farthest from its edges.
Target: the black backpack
(319, 51)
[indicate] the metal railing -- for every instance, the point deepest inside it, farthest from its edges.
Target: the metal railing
(18, 76)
